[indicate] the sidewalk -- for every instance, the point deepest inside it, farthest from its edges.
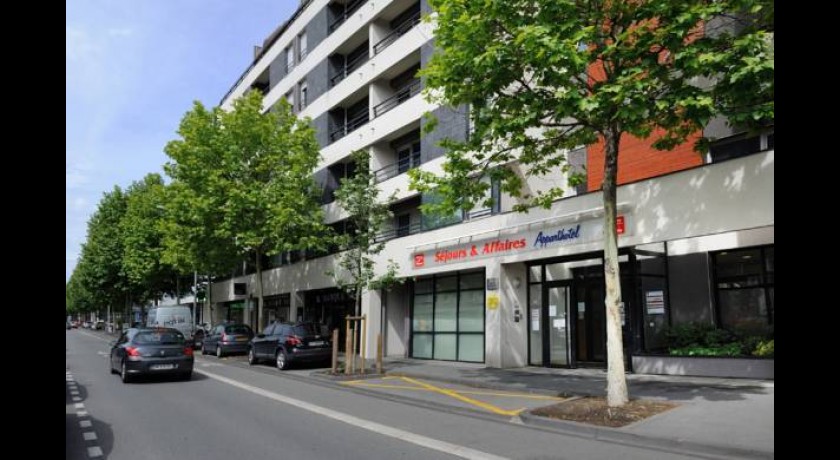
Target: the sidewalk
(723, 414)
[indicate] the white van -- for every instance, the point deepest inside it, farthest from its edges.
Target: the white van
(175, 316)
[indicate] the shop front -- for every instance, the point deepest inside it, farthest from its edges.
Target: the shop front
(447, 317)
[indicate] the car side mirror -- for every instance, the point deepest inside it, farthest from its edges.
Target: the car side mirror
(260, 336)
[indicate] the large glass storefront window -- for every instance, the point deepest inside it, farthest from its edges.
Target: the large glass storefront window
(745, 285)
(447, 320)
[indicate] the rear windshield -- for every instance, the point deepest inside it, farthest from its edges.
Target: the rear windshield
(237, 329)
(307, 329)
(159, 337)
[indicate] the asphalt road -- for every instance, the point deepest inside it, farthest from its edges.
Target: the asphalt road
(228, 411)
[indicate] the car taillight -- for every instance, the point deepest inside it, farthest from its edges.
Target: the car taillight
(225, 337)
(294, 341)
(132, 351)
(188, 351)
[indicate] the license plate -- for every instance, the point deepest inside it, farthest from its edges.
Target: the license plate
(242, 339)
(162, 367)
(316, 343)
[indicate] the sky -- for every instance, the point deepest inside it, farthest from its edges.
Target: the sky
(132, 69)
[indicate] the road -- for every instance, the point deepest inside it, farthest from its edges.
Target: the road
(228, 411)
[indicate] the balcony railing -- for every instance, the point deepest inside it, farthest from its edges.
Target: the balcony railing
(395, 169)
(348, 11)
(403, 94)
(349, 127)
(398, 32)
(398, 232)
(351, 65)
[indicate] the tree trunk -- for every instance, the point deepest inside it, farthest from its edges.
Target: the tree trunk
(209, 301)
(616, 380)
(259, 325)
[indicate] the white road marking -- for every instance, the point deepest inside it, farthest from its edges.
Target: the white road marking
(94, 451)
(435, 444)
(76, 398)
(82, 413)
(74, 392)
(80, 405)
(89, 436)
(85, 424)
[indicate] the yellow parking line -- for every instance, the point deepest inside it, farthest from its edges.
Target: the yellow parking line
(513, 395)
(394, 387)
(474, 402)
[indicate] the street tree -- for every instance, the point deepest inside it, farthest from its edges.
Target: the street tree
(101, 271)
(142, 230)
(363, 240)
(258, 172)
(544, 77)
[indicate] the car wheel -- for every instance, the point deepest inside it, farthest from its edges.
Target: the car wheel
(218, 351)
(252, 358)
(111, 366)
(282, 363)
(124, 373)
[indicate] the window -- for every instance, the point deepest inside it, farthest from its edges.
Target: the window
(290, 98)
(302, 46)
(448, 317)
(290, 59)
(403, 225)
(303, 95)
(745, 288)
(740, 145)
(431, 221)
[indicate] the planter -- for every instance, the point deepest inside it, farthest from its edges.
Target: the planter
(704, 366)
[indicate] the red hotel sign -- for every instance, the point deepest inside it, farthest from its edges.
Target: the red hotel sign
(548, 237)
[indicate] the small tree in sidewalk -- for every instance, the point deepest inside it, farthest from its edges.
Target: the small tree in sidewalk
(363, 238)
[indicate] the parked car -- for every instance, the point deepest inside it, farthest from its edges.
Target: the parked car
(227, 338)
(99, 325)
(151, 351)
(87, 324)
(287, 343)
(68, 325)
(74, 324)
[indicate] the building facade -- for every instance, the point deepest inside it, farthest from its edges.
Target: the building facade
(494, 286)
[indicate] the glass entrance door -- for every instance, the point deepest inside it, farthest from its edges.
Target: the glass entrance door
(548, 325)
(556, 329)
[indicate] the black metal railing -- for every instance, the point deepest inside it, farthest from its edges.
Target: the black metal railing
(398, 232)
(303, 53)
(395, 169)
(348, 11)
(351, 65)
(403, 94)
(398, 32)
(349, 127)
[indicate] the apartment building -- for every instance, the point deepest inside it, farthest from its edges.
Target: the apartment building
(494, 286)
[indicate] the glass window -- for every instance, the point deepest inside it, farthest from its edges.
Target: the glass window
(268, 329)
(303, 95)
(445, 346)
(423, 286)
(448, 283)
(422, 320)
(471, 312)
(238, 329)
(471, 347)
(290, 58)
(744, 280)
(165, 337)
(302, 45)
(535, 273)
(421, 346)
(446, 305)
(472, 280)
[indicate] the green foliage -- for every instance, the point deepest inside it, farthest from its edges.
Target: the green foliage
(765, 349)
(242, 182)
(142, 228)
(359, 197)
(544, 77)
(700, 339)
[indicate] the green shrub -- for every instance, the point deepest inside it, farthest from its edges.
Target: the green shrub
(731, 349)
(765, 349)
(700, 339)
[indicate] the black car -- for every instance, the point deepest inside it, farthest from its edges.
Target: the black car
(227, 338)
(151, 351)
(286, 343)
